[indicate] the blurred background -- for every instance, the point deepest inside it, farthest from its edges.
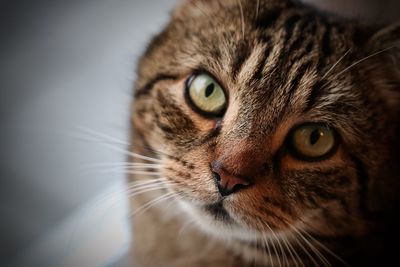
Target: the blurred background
(66, 75)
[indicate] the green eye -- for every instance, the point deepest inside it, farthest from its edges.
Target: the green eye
(313, 140)
(206, 95)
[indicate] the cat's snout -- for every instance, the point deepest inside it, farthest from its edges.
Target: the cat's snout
(227, 182)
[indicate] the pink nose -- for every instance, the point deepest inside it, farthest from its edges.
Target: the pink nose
(227, 183)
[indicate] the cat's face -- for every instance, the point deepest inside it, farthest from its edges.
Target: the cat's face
(264, 119)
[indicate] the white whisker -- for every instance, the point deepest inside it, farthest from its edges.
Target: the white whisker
(337, 62)
(294, 256)
(133, 154)
(255, 256)
(136, 172)
(137, 189)
(325, 248)
(268, 248)
(257, 8)
(106, 137)
(199, 8)
(115, 148)
(153, 202)
(273, 244)
(313, 248)
(285, 258)
(305, 251)
(365, 58)
(123, 164)
(242, 18)
(146, 186)
(148, 181)
(145, 190)
(112, 198)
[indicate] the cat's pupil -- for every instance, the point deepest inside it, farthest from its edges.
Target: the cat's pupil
(209, 89)
(314, 137)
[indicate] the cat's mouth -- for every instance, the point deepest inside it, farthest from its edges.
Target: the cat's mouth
(218, 211)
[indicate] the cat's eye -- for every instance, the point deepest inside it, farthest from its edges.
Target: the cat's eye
(313, 141)
(206, 95)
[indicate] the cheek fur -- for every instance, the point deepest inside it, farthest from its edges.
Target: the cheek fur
(192, 177)
(281, 62)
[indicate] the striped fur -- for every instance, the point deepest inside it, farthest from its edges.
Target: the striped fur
(281, 63)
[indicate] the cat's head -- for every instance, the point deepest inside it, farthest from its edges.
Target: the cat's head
(269, 116)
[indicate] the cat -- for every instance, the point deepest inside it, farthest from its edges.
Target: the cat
(265, 133)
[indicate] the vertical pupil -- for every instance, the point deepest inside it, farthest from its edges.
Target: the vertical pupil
(209, 89)
(314, 137)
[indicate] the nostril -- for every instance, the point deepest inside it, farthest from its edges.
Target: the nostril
(217, 177)
(238, 187)
(228, 184)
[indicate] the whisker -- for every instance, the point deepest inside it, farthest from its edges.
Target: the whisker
(143, 167)
(147, 181)
(273, 244)
(153, 202)
(305, 251)
(337, 62)
(123, 164)
(135, 184)
(198, 7)
(255, 256)
(129, 145)
(134, 188)
(115, 148)
(268, 248)
(242, 18)
(141, 170)
(127, 171)
(314, 249)
(145, 148)
(93, 133)
(365, 58)
(112, 198)
(285, 257)
(257, 8)
(145, 190)
(135, 155)
(292, 250)
(205, 13)
(330, 252)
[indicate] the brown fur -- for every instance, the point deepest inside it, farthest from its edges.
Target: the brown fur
(282, 64)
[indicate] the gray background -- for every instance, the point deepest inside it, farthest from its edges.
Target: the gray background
(64, 65)
(68, 66)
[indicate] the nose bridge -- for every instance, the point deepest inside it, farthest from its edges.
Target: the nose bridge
(251, 120)
(243, 149)
(245, 157)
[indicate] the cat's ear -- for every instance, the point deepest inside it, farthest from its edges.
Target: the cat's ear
(387, 40)
(382, 62)
(384, 47)
(198, 8)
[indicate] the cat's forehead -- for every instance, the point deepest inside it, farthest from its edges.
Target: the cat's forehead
(272, 59)
(276, 34)
(270, 47)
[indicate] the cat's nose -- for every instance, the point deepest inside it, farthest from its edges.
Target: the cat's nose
(227, 183)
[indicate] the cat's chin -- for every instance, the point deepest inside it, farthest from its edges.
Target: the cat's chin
(215, 220)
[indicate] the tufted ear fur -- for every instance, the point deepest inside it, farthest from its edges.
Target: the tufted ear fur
(387, 37)
(383, 69)
(198, 8)
(385, 44)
